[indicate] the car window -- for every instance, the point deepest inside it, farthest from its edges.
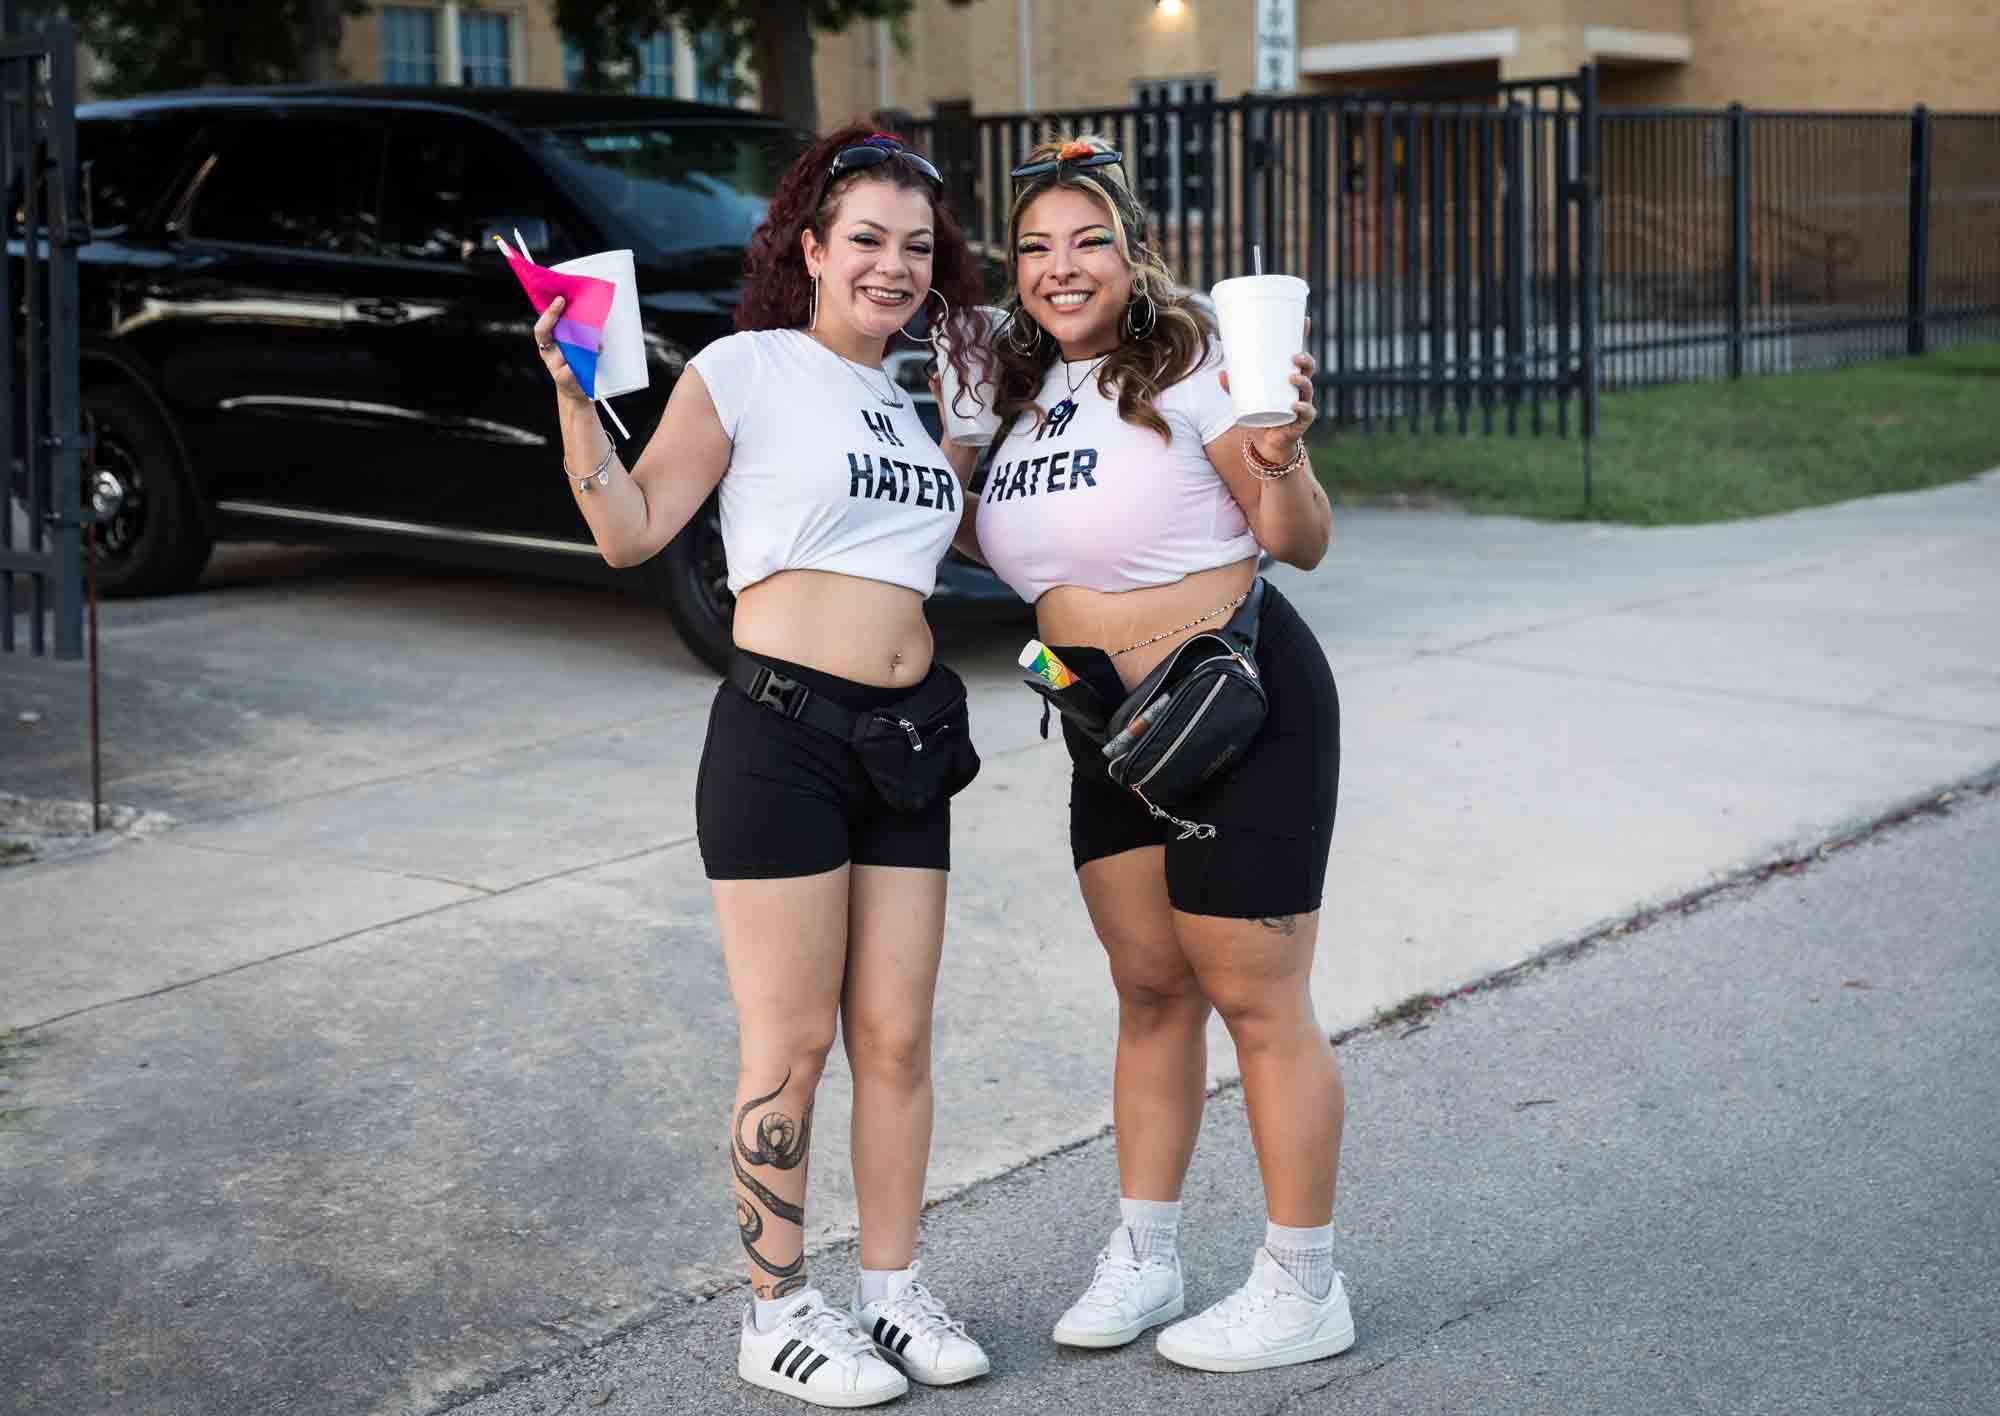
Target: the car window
(128, 161)
(446, 186)
(293, 180)
(685, 187)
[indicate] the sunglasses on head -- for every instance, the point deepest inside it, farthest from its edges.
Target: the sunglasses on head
(873, 151)
(1069, 157)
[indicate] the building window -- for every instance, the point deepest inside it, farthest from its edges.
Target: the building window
(409, 45)
(1174, 167)
(712, 82)
(647, 69)
(483, 51)
(656, 65)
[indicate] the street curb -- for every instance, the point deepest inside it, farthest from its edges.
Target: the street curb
(1403, 1020)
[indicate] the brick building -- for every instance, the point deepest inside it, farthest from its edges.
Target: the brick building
(1817, 54)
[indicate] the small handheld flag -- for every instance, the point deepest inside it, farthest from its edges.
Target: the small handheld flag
(580, 331)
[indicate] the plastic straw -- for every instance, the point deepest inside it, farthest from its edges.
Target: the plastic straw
(1256, 257)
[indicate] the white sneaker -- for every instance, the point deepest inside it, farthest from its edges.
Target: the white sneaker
(815, 1352)
(911, 1328)
(1268, 1322)
(1125, 1297)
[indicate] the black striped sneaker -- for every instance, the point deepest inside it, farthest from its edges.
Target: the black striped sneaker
(816, 1353)
(912, 1329)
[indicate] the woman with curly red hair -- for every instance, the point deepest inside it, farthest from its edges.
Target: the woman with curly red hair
(822, 802)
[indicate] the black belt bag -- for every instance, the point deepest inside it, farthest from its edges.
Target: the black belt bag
(914, 750)
(1198, 711)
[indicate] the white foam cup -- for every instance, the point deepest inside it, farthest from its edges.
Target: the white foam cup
(1263, 321)
(621, 360)
(971, 417)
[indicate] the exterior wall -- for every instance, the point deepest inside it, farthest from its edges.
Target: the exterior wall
(1852, 54)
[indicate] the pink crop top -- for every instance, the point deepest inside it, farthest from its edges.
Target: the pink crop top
(1088, 499)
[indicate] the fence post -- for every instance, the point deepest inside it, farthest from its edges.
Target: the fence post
(1514, 244)
(1920, 228)
(1587, 304)
(1739, 234)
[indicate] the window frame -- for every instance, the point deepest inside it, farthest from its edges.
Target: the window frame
(227, 135)
(392, 57)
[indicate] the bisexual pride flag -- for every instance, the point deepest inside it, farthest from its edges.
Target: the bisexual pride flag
(591, 323)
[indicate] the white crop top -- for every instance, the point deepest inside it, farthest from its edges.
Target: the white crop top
(1088, 499)
(824, 475)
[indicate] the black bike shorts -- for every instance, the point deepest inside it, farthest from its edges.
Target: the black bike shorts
(775, 798)
(1272, 812)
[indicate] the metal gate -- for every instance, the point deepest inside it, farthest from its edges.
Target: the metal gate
(1449, 236)
(41, 558)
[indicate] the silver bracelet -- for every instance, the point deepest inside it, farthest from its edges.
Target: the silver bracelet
(599, 478)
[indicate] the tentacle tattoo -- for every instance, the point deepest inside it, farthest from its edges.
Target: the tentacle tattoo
(781, 1144)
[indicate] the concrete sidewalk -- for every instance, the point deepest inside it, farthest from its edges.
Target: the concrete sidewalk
(397, 1065)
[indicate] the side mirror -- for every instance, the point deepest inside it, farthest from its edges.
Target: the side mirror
(534, 230)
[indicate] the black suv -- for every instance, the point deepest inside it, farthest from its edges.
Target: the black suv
(296, 325)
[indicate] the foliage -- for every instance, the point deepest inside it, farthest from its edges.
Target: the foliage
(775, 34)
(147, 45)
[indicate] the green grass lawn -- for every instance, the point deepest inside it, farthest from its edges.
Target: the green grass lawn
(13, 1048)
(1705, 452)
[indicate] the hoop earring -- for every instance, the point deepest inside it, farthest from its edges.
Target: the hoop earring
(812, 318)
(1015, 323)
(1132, 330)
(937, 325)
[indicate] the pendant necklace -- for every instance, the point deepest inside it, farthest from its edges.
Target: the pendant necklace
(888, 400)
(1060, 413)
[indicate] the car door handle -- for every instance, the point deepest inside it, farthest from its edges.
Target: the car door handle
(382, 311)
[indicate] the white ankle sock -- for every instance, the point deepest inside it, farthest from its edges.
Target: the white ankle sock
(1305, 1254)
(880, 1283)
(769, 1310)
(1155, 1227)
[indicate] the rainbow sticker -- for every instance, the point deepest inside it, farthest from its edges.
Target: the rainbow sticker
(1037, 660)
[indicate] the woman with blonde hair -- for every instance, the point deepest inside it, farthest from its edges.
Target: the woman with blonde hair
(1127, 505)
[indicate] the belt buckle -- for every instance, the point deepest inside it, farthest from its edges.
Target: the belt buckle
(774, 690)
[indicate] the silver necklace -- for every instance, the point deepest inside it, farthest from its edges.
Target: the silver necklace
(887, 401)
(1073, 387)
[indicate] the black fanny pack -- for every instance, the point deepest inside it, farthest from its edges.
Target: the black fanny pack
(913, 750)
(1192, 717)
(1190, 721)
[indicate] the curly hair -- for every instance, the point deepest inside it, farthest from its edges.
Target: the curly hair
(1144, 364)
(778, 294)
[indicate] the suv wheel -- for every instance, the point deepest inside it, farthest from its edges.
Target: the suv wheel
(692, 577)
(153, 541)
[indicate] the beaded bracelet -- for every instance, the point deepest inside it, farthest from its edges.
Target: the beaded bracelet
(1273, 471)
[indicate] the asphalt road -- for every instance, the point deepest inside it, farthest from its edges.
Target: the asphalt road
(1741, 1161)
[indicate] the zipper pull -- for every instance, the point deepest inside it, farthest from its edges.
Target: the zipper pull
(916, 738)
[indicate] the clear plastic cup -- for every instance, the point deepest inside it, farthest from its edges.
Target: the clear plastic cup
(621, 358)
(970, 415)
(1263, 322)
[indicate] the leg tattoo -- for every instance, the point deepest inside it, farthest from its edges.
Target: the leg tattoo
(782, 1144)
(1287, 925)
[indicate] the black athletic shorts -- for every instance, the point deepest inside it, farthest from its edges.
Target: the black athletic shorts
(776, 798)
(1273, 812)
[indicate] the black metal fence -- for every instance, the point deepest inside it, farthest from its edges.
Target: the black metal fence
(1486, 259)
(41, 560)
(1447, 237)
(1737, 241)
